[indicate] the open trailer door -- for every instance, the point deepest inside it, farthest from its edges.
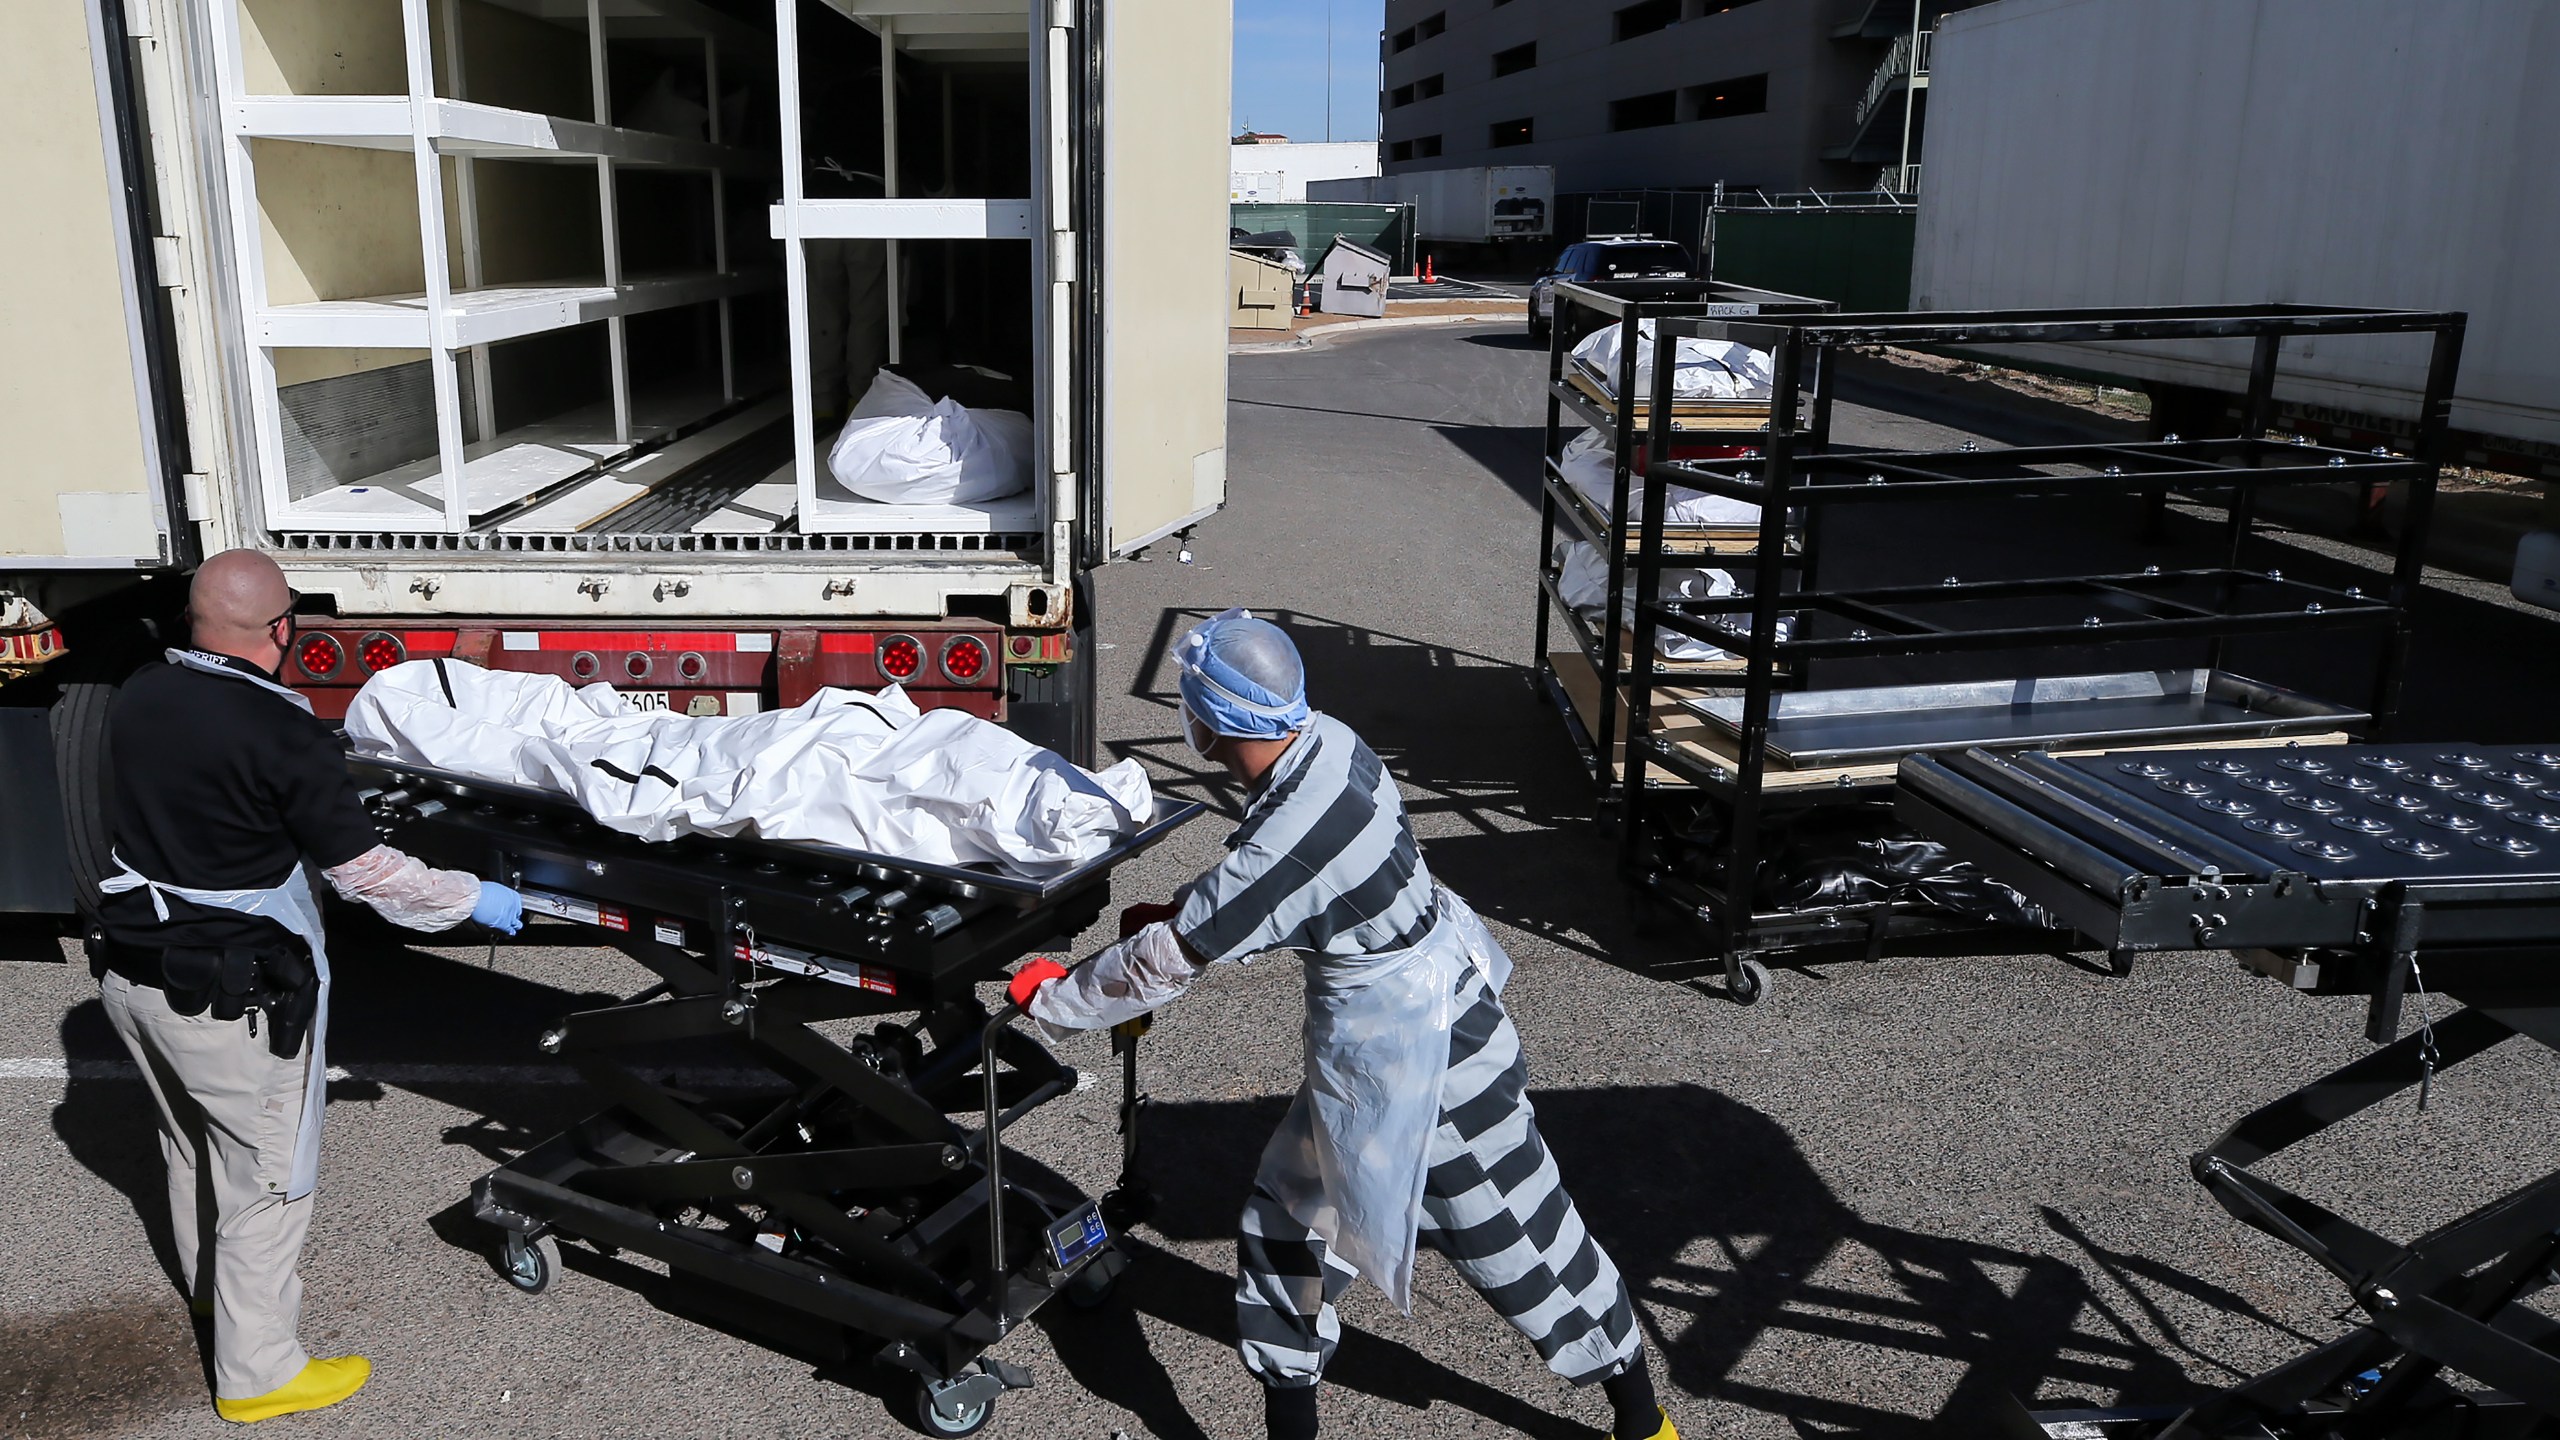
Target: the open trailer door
(1154, 177)
(89, 483)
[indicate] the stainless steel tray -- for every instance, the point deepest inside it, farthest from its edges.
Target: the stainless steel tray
(1836, 727)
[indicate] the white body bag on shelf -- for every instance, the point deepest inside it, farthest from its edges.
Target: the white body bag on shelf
(901, 446)
(1590, 467)
(1700, 370)
(1583, 579)
(864, 771)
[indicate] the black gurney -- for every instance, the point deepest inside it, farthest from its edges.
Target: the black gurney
(843, 1189)
(2386, 871)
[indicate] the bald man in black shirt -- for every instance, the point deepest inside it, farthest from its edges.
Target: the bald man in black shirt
(214, 969)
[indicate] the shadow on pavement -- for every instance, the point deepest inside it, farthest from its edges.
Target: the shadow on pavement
(1725, 1234)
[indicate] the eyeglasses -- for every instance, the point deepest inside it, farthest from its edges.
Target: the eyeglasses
(293, 601)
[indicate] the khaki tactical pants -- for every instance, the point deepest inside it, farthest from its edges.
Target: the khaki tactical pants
(228, 1112)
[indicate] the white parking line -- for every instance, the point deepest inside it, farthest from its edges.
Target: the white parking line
(41, 1070)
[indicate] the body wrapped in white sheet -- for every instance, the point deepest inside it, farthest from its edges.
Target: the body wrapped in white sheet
(1701, 369)
(865, 771)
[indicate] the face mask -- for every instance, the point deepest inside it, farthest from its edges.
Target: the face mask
(1196, 734)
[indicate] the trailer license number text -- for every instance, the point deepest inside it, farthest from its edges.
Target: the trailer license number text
(648, 699)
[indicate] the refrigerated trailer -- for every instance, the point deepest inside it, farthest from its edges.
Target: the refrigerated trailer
(1471, 205)
(519, 331)
(2192, 152)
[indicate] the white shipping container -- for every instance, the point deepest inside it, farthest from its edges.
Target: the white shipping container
(2342, 152)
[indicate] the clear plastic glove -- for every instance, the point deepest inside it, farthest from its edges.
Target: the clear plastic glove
(405, 891)
(499, 908)
(1125, 981)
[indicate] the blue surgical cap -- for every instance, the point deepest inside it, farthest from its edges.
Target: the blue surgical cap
(1243, 677)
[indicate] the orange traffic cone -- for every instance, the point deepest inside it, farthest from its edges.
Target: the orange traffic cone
(1429, 275)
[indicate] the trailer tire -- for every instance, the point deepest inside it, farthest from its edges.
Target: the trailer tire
(79, 723)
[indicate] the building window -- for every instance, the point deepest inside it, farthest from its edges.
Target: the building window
(1399, 150)
(1399, 97)
(1430, 25)
(1426, 88)
(1639, 112)
(1426, 147)
(1507, 133)
(1646, 18)
(1515, 59)
(1403, 40)
(1741, 95)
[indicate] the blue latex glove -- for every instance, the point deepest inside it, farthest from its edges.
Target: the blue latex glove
(500, 908)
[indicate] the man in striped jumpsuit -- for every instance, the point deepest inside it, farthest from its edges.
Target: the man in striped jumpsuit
(1414, 1126)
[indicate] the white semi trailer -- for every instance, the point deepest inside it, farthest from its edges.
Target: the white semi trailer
(2169, 152)
(519, 330)
(1471, 205)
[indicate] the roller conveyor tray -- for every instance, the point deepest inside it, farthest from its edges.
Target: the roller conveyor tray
(2408, 874)
(853, 1187)
(1839, 727)
(2213, 849)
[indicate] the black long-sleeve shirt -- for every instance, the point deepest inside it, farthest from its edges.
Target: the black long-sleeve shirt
(220, 784)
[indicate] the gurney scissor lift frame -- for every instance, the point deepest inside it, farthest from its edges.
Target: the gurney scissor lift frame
(2385, 871)
(842, 1188)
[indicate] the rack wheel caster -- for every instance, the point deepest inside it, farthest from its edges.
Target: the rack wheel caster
(1747, 982)
(530, 1265)
(955, 1408)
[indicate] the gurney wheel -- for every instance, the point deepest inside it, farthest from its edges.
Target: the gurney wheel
(933, 1422)
(1747, 982)
(530, 1265)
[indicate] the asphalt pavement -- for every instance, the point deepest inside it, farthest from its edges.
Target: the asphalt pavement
(1872, 1204)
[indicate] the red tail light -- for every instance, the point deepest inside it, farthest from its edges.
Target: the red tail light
(380, 651)
(900, 657)
(320, 655)
(964, 658)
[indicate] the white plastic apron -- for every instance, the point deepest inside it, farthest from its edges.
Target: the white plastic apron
(1349, 1160)
(292, 905)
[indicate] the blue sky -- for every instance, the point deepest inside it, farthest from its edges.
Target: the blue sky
(1280, 65)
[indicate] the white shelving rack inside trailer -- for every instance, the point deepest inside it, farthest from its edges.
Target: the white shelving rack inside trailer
(300, 323)
(945, 31)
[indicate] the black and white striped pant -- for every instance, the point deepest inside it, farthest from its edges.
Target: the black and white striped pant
(1492, 1203)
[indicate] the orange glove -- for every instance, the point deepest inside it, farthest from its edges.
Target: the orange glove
(1139, 917)
(1030, 978)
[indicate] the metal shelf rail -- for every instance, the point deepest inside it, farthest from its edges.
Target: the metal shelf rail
(1795, 472)
(1736, 428)
(469, 478)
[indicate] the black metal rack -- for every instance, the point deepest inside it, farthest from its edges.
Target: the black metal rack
(837, 1185)
(1742, 427)
(2388, 872)
(1798, 473)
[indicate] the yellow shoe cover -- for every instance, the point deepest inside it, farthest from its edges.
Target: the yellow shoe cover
(1664, 1433)
(322, 1383)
